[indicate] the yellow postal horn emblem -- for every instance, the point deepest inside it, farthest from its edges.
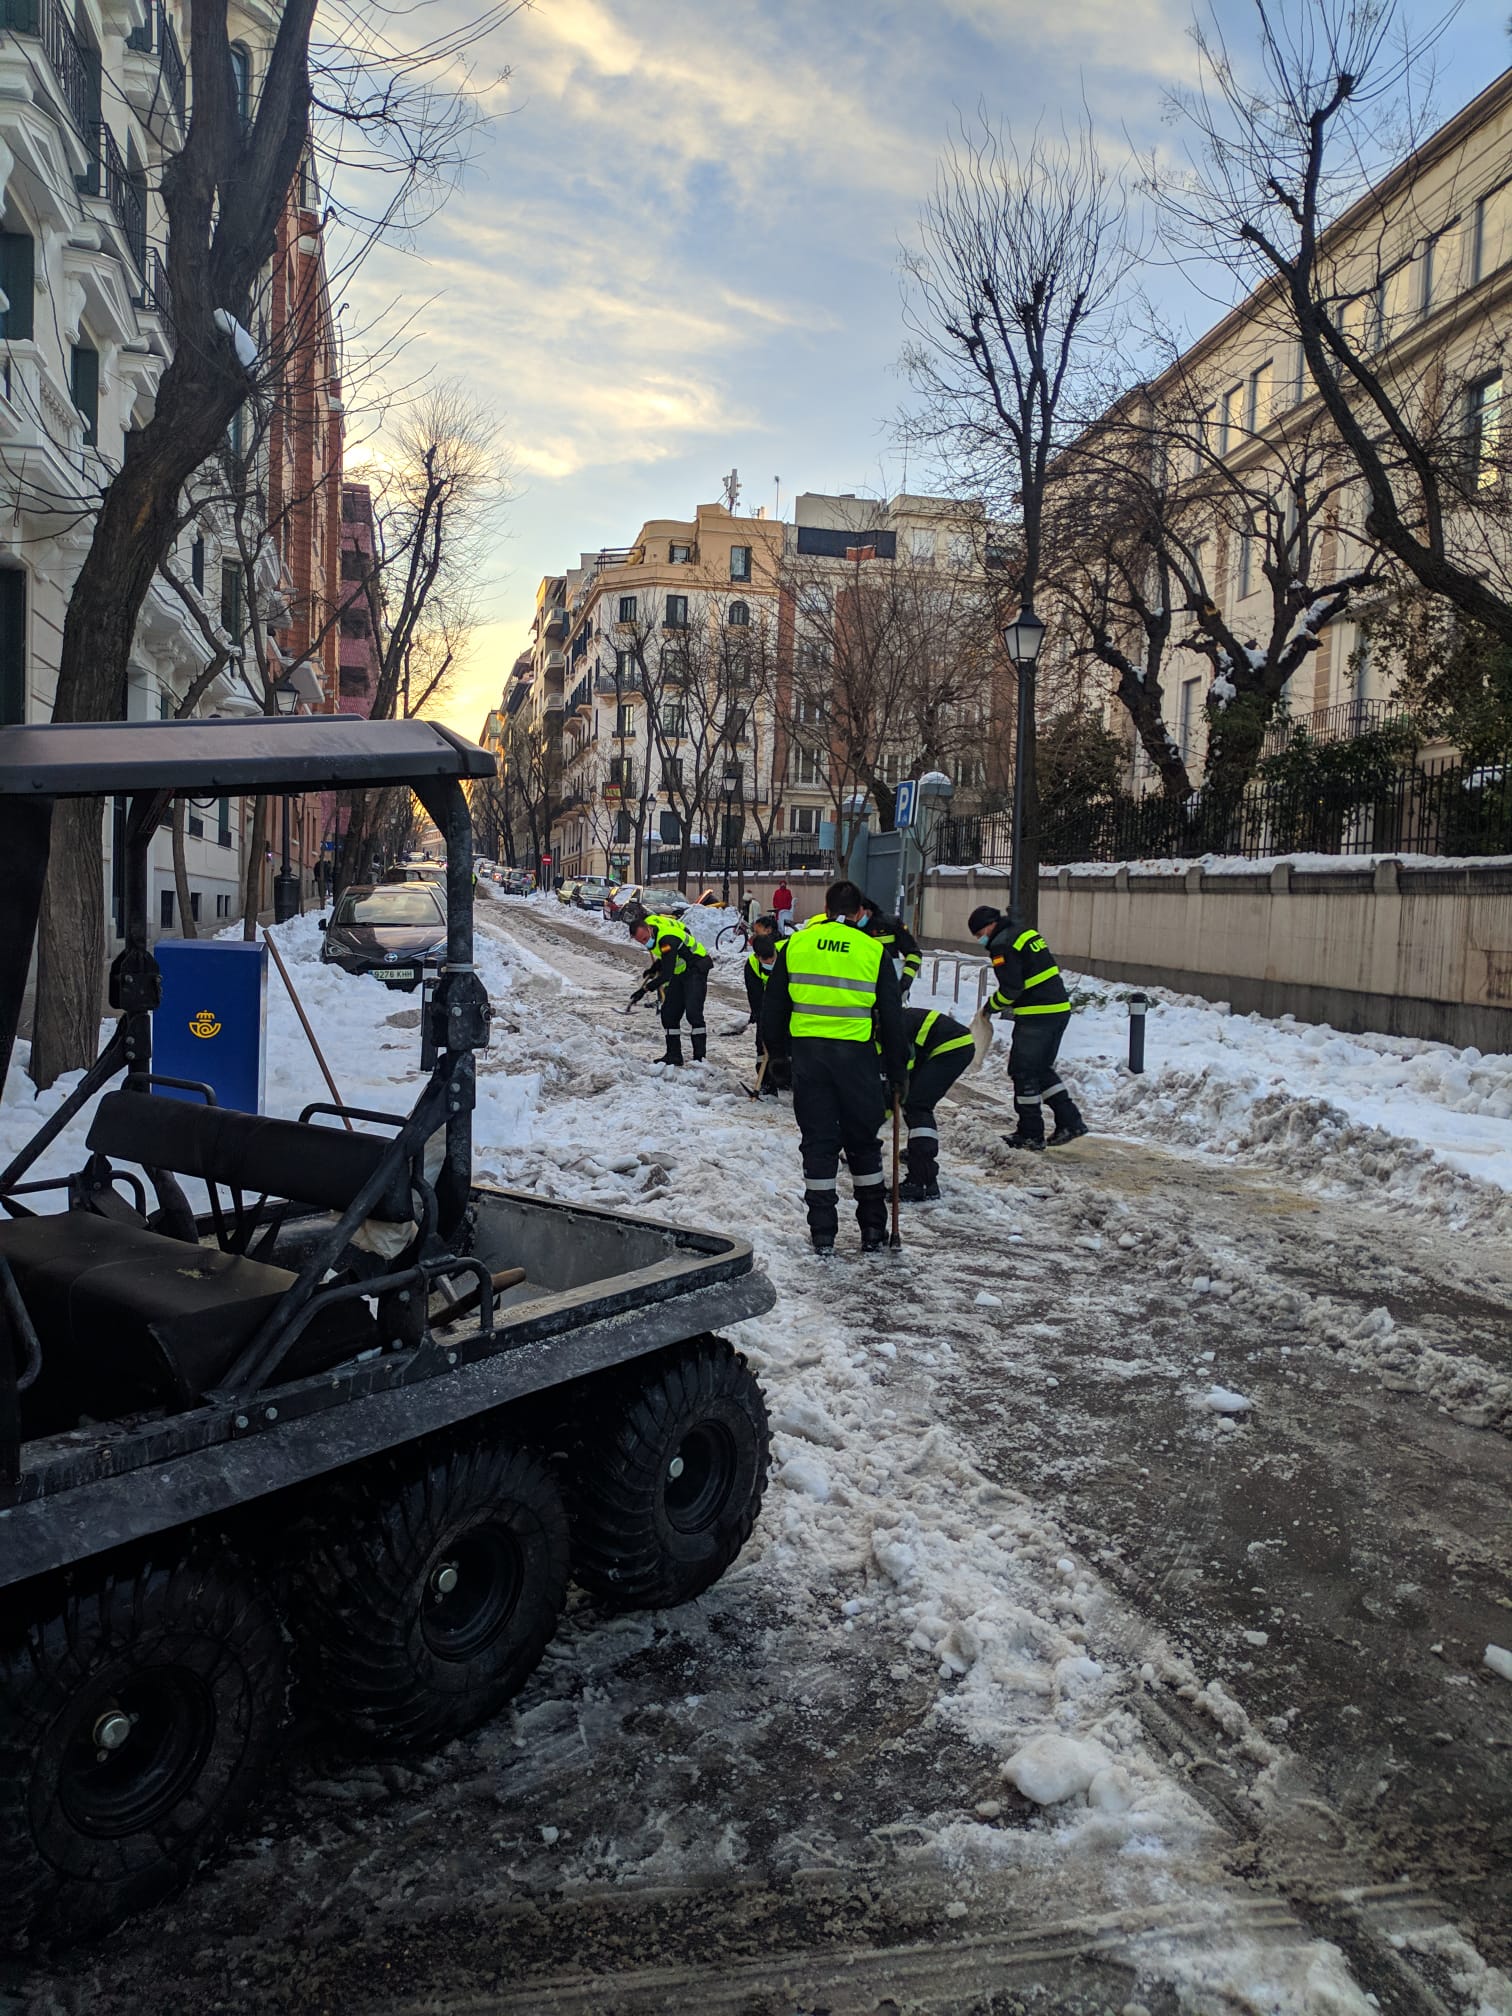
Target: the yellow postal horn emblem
(205, 1024)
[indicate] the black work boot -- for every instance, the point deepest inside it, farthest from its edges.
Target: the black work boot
(871, 1217)
(918, 1189)
(700, 1044)
(1069, 1124)
(674, 1048)
(823, 1219)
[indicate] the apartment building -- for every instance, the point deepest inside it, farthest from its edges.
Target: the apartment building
(1424, 260)
(889, 598)
(93, 100)
(668, 666)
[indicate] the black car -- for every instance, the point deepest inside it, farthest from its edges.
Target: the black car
(389, 931)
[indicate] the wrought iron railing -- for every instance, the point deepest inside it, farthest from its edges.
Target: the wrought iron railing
(154, 298)
(111, 178)
(1448, 806)
(157, 33)
(1341, 723)
(783, 854)
(75, 71)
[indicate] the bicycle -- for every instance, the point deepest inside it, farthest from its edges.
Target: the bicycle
(733, 935)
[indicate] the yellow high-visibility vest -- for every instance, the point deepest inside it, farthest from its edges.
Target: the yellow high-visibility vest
(832, 981)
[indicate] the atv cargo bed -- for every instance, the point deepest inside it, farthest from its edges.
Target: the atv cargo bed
(601, 1289)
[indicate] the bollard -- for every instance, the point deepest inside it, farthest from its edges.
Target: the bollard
(957, 995)
(935, 983)
(984, 981)
(1137, 1007)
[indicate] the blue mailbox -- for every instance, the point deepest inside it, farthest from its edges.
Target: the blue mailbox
(212, 1025)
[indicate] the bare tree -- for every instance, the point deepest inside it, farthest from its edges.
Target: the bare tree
(1290, 179)
(1022, 253)
(222, 193)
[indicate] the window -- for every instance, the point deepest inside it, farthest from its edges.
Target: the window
(679, 556)
(739, 615)
(624, 828)
(1229, 419)
(194, 904)
(232, 601)
(1204, 440)
(165, 909)
(197, 562)
(962, 551)
(804, 819)
(1425, 279)
(1245, 572)
(624, 720)
(223, 906)
(1483, 431)
(351, 564)
(736, 730)
(622, 773)
(921, 545)
(806, 766)
(354, 623)
(740, 563)
(195, 825)
(671, 774)
(354, 682)
(12, 647)
(971, 773)
(673, 722)
(18, 272)
(223, 822)
(241, 82)
(734, 826)
(1379, 308)
(626, 609)
(808, 713)
(84, 384)
(1191, 713)
(677, 612)
(1258, 408)
(669, 826)
(309, 188)
(624, 667)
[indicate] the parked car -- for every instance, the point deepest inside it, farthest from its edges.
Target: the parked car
(667, 901)
(593, 892)
(390, 931)
(565, 891)
(518, 882)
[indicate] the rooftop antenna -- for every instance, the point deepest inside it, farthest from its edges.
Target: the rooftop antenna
(777, 507)
(731, 487)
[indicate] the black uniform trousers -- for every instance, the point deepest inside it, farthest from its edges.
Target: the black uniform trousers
(1036, 1083)
(838, 1101)
(928, 1082)
(684, 996)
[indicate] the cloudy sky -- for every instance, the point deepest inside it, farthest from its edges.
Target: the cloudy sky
(676, 249)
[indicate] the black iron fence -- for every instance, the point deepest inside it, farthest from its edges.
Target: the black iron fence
(784, 854)
(1448, 807)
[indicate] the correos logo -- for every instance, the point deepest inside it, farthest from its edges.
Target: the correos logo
(205, 1024)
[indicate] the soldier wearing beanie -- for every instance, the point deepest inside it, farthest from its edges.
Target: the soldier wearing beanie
(1031, 990)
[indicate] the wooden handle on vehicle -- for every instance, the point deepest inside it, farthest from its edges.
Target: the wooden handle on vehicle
(507, 1277)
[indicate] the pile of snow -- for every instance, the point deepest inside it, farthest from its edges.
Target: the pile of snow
(1262, 864)
(1394, 1112)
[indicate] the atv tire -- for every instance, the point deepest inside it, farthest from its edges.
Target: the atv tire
(668, 1479)
(425, 1591)
(139, 1715)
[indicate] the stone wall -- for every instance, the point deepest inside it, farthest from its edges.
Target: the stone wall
(1407, 951)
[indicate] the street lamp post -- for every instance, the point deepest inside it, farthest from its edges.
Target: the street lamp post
(1022, 638)
(285, 882)
(732, 782)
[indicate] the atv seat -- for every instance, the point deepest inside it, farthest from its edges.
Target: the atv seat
(290, 1159)
(129, 1319)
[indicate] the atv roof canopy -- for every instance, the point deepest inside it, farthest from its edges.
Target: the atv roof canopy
(151, 762)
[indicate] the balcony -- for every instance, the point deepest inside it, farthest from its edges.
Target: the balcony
(554, 703)
(67, 61)
(108, 176)
(154, 297)
(148, 84)
(1343, 723)
(556, 623)
(582, 700)
(620, 790)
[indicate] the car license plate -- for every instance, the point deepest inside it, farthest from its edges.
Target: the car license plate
(392, 974)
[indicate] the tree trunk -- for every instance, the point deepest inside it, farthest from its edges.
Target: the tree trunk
(252, 870)
(70, 944)
(181, 874)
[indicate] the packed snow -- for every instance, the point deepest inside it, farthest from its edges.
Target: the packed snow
(880, 1523)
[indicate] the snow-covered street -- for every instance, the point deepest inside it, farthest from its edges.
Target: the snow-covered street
(1115, 1633)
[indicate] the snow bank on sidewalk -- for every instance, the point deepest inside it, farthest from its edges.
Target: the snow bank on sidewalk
(1395, 1111)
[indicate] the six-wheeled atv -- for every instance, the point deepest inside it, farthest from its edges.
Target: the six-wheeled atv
(359, 1411)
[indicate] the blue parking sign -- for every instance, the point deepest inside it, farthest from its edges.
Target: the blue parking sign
(904, 803)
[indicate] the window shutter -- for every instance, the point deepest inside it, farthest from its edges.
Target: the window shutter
(18, 268)
(12, 646)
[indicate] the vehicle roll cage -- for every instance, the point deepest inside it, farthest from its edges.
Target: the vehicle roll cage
(149, 764)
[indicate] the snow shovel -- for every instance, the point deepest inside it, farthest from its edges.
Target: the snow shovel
(895, 1243)
(754, 1091)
